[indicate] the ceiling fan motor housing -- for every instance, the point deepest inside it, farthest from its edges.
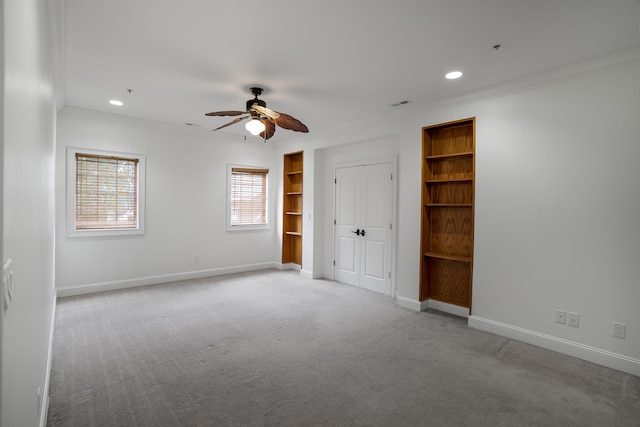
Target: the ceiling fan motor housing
(255, 91)
(260, 102)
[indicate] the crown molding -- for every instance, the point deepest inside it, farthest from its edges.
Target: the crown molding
(609, 63)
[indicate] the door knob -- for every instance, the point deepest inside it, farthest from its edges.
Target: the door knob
(362, 232)
(357, 231)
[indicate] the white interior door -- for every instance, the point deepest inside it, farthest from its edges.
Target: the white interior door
(363, 226)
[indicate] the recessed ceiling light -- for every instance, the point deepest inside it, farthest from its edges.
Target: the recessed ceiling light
(116, 102)
(453, 75)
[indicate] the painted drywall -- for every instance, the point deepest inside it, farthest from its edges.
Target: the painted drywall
(27, 210)
(556, 204)
(186, 193)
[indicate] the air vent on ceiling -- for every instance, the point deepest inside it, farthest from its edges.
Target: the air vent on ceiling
(397, 104)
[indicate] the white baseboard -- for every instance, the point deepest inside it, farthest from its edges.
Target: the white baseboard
(411, 304)
(581, 351)
(165, 278)
(288, 266)
(44, 409)
(312, 274)
(416, 305)
(447, 308)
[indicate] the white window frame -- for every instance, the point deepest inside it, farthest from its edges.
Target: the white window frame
(246, 227)
(71, 195)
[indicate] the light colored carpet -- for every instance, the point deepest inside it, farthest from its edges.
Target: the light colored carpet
(272, 349)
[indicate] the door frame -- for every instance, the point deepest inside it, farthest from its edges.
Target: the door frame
(393, 160)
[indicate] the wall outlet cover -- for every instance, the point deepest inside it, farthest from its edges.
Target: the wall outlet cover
(573, 319)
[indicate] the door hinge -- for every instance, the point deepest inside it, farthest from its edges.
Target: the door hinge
(334, 262)
(389, 275)
(335, 180)
(334, 222)
(390, 226)
(391, 177)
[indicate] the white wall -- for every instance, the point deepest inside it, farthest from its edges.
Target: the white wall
(27, 210)
(185, 206)
(557, 204)
(557, 209)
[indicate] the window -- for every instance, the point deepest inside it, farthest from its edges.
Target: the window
(248, 195)
(106, 195)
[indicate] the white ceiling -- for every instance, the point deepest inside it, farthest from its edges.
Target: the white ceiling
(325, 62)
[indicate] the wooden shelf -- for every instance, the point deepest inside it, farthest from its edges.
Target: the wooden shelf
(450, 156)
(293, 233)
(448, 257)
(294, 193)
(293, 213)
(449, 205)
(294, 173)
(444, 181)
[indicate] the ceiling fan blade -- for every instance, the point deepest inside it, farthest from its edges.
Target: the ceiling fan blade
(287, 122)
(232, 122)
(265, 111)
(269, 128)
(225, 113)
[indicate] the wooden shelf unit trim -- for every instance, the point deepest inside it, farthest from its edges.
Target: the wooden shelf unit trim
(448, 176)
(448, 257)
(293, 233)
(294, 193)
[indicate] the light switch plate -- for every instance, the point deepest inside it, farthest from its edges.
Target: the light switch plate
(7, 285)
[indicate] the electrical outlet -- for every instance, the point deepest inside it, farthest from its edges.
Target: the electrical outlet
(561, 316)
(573, 319)
(619, 330)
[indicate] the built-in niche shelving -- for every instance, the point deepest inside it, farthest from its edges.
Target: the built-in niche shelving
(292, 208)
(448, 173)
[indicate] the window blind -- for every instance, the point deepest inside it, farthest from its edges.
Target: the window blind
(106, 192)
(248, 196)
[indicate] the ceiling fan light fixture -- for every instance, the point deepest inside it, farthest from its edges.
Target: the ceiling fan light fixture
(255, 126)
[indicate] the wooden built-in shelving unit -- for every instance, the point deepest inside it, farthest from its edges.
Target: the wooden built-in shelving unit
(292, 209)
(448, 173)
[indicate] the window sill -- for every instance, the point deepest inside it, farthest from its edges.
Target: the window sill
(260, 227)
(105, 233)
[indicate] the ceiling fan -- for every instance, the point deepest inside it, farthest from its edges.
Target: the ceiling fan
(263, 120)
